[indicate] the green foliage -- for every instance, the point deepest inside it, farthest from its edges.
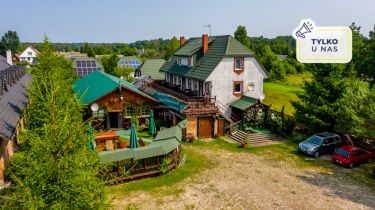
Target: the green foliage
(318, 107)
(86, 48)
(164, 165)
(173, 45)
(364, 59)
(128, 51)
(124, 72)
(54, 168)
(241, 35)
(356, 114)
(135, 120)
(9, 41)
(109, 63)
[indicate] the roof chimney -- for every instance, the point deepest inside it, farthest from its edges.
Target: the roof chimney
(9, 57)
(204, 43)
(182, 40)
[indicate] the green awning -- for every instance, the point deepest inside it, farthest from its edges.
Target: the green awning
(244, 103)
(165, 142)
(170, 101)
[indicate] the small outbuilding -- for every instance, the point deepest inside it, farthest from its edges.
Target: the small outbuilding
(150, 69)
(112, 101)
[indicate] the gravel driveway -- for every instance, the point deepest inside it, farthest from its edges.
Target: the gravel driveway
(248, 181)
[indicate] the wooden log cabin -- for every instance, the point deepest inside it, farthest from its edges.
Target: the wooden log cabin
(115, 100)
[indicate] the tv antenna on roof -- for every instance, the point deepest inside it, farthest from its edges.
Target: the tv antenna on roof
(208, 26)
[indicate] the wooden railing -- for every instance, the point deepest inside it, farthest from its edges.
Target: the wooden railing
(170, 92)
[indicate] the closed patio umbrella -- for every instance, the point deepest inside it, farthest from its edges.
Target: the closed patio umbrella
(151, 126)
(133, 137)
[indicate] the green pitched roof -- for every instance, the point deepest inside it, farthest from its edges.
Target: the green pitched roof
(151, 68)
(165, 142)
(97, 84)
(244, 103)
(235, 48)
(191, 46)
(219, 47)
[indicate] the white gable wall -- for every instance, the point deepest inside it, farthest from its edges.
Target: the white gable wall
(223, 76)
(29, 55)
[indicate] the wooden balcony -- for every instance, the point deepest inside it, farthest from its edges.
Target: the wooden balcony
(196, 105)
(201, 106)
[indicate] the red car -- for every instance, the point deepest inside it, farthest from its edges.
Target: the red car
(350, 155)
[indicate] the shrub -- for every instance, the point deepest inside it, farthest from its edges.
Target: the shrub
(164, 166)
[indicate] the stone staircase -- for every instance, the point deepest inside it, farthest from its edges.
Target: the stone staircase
(256, 139)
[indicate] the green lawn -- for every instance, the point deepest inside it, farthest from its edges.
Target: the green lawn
(279, 95)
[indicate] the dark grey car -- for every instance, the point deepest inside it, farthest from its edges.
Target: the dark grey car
(320, 143)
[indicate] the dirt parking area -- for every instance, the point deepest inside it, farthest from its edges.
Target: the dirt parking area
(241, 180)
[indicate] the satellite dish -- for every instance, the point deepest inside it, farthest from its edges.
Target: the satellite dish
(261, 96)
(94, 107)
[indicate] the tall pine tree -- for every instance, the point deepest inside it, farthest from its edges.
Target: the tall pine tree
(54, 168)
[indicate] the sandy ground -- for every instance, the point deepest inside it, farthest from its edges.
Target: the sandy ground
(247, 181)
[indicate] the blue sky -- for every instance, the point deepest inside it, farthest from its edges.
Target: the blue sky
(128, 21)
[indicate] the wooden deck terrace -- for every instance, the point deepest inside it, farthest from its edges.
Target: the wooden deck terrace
(196, 105)
(201, 106)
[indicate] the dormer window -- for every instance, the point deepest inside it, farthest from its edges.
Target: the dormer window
(238, 65)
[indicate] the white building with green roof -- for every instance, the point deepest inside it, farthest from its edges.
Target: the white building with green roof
(217, 66)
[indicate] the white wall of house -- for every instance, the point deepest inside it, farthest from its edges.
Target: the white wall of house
(29, 55)
(223, 76)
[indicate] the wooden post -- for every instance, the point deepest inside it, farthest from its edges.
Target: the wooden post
(174, 120)
(131, 165)
(158, 161)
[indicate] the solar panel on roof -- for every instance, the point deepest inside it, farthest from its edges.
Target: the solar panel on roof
(84, 67)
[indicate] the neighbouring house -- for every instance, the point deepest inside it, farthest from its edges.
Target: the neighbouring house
(112, 101)
(150, 69)
(210, 74)
(141, 51)
(29, 55)
(129, 61)
(13, 100)
(85, 65)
